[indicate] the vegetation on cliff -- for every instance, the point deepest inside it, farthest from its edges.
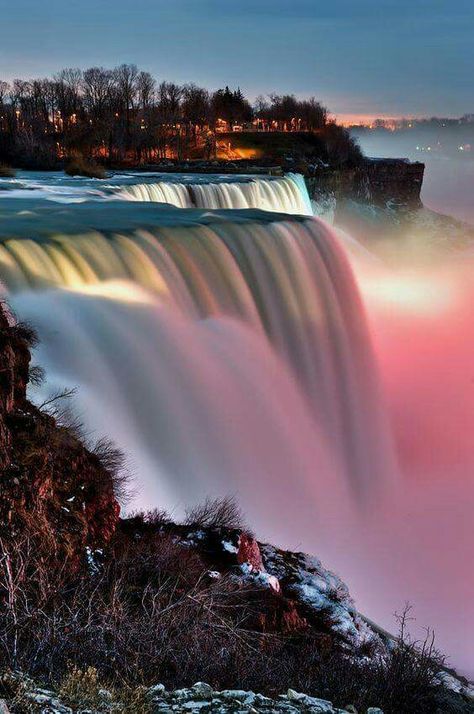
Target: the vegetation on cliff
(329, 146)
(86, 597)
(56, 496)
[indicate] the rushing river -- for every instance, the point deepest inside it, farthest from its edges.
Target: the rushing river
(231, 342)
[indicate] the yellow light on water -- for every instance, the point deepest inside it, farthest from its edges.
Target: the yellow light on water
(120, 291)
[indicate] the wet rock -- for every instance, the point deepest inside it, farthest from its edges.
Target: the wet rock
(202, 689)
(315, 705)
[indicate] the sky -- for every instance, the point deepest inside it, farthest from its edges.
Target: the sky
(360, 57)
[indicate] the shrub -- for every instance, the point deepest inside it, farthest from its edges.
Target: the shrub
(7, 171)
(25, 332)
(216, 513)
(79, 166)
(37, 375)
(81, 687)
(112, 459)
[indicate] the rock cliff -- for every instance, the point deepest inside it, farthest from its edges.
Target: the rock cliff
(375, 181)
(55, 495)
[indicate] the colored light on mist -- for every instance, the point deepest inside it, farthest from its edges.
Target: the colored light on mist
(409, 293)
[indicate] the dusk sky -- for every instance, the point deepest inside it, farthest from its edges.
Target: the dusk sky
(370, 57)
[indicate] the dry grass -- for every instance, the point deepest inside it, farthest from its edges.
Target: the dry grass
(150, 614)
(82, 688)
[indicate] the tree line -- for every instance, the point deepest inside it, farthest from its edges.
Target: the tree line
(124, 114)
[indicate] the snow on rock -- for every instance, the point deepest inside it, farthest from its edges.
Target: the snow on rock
(202, 698)
(314, 704)
(260, 577)
(47, 702)
(305, 594)
(229, 547)
(202, 689)
(447, 680)
(318, 595)
(322, 592)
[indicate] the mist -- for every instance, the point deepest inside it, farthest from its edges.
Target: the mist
(416, 545)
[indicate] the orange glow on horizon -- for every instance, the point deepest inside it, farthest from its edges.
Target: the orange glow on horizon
(365, 119)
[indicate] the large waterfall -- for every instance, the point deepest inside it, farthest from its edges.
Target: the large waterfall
(285, 283)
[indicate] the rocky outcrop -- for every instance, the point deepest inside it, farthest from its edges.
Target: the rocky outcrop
(56, 497)
(201, 697)
(301, 594)
(376, 181)
(398, 180)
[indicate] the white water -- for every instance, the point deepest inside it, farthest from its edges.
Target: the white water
(283, 195)
(202, 407)
(287, 194)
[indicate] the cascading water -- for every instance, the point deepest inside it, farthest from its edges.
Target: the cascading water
(286, 194)
(201, 406)
(288, 281)
(283, 195)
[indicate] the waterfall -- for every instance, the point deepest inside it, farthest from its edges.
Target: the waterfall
(201, 407)
(287, 194)
(227, 352)
(176, 194)
(284, 195)
(286, 282)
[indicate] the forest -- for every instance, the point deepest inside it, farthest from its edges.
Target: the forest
(125, 116)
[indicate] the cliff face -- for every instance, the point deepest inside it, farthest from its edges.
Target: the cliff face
(54, 494)
(394, 179)
(375, 181)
